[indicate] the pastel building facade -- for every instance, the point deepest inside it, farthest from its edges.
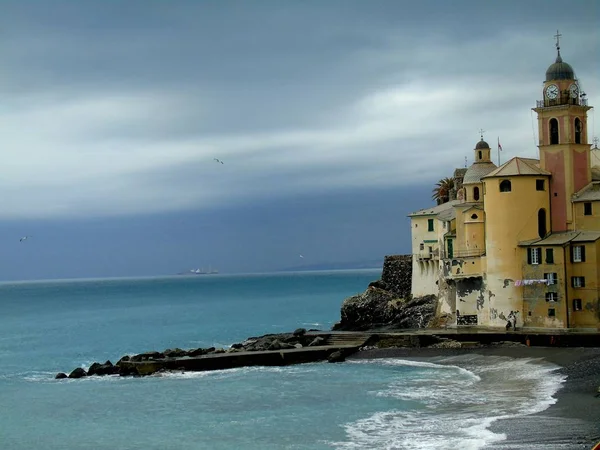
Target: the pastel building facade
(521, 242)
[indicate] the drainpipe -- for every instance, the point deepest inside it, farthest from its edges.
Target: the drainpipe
(566, 284)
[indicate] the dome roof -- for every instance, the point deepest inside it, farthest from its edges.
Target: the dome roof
(481, 145)
(560, 71)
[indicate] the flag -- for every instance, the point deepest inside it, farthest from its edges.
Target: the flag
(499, 146)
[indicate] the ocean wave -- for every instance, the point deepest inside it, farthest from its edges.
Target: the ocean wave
(461, 397)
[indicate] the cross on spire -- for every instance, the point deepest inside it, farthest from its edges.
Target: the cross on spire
(595, 140)
(481, 131)
(557, 36)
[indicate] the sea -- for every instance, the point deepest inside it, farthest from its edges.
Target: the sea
(48, 327)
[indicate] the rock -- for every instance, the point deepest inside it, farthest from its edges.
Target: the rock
(298, 345)
(78, 373)
(60, 376)
(199, 351)
(146, 356)
(317, 341)
(299, 332)
(237, 346)
(103, 369)
(123, 359)
(336, 357)
(174, 353)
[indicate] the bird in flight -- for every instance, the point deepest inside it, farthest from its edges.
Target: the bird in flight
(301, 256)
(218, 160)
(24, 238)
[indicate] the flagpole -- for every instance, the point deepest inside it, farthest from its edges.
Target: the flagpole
(498, 151)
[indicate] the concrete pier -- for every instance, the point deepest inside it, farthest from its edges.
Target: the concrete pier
(349, 342)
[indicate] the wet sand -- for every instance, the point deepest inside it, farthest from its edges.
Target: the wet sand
(572, 423)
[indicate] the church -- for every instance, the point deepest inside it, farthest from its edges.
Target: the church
(519, 243)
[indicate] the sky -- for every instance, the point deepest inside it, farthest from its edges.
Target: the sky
(333, 120)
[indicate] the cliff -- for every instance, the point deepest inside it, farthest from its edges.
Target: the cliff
(387, 303)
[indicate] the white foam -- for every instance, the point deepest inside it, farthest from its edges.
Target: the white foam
(460, 402)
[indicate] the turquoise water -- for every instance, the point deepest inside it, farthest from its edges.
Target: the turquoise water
(47, 327)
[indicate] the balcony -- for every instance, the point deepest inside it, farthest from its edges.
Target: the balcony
(467, 253)
(562, 99)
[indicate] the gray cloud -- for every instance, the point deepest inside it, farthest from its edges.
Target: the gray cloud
(120, 109)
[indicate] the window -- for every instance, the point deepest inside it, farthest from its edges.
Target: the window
(430, 250)
(429, 224)
(587, 209)
(473, 216)
(542, 230)
(475, 193)
(551, 296)
(480, 155)
(551, 277)
(551, 312)
(553, 131)
(505, 186)
(578, 282)
(549, 256)
(577, 304)
(534, 255)
(539, 185)
(578, 129)
(578, 253)
(421, 246)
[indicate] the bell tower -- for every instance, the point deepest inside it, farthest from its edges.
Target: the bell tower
(563, 141)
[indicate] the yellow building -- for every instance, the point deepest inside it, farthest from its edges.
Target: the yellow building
(521, 242)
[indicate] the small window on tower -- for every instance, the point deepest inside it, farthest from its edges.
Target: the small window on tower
(587, 209)
(539, 185)
(476, 193)
(553, 131)
(480, 155)
(578, 129)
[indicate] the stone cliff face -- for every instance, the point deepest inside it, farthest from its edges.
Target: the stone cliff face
(387, 303)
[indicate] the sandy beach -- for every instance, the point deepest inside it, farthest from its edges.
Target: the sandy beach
(573, 422)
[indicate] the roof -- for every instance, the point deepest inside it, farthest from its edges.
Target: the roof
(563, 238)
(477, 171)
(587, 236)
(435, 210)
(560, 70)
(590, 193)
(595, 173)
(482, 145)
(447, 214)
(475, 206)
(518, 166)
(460, 173)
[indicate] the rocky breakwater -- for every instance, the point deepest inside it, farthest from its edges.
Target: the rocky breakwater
(387, 303)
(178, 359)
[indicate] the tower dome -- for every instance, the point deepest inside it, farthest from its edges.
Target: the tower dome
(481, 145)
(560, 70)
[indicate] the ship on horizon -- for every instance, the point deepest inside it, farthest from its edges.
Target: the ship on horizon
(200, 271)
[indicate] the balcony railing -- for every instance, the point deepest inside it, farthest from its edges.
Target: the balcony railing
(472, 253)
(563, 99)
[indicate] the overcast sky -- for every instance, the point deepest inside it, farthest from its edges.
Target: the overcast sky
(333, 119)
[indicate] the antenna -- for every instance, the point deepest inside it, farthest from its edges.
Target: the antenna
(465, 162)
(595, 141)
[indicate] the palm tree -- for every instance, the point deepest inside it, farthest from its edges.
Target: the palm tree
(441, 192)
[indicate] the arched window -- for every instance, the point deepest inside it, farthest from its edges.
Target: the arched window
(473, 216)
(465, 193)
(476, 193)
(542, 231)
(480, 155)
(505, 186)
(553, 131)
(578, 130)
